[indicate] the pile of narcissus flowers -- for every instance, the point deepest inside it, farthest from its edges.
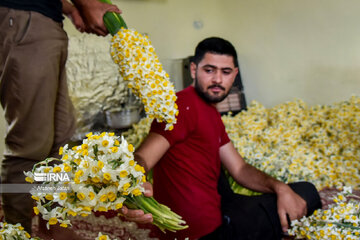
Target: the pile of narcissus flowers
(140, 66)
(103, 176)
(295, 142)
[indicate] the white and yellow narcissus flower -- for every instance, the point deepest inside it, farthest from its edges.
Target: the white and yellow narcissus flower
(139, 64)
(340, 221)
(103, 237)
(14, 232)
(102, 171)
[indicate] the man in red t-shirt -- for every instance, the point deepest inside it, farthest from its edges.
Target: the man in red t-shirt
(189, 171)
(187, 164)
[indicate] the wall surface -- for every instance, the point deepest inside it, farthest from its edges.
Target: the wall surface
(297, 49)
(308, 49)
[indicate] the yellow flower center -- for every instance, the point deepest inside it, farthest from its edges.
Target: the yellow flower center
(107, 176)
(81, 196)
(53, 221)
(36, 210)
(123, 173)
(62, 195)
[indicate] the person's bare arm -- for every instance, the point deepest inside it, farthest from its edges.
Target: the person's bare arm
(73, 14)
(149, 153)
(288, 202)
(151, 150)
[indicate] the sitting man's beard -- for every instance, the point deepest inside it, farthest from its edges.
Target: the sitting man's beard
(207, 97)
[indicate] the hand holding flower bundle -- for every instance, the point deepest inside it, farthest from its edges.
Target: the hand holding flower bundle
(139, 64)
(105, 177)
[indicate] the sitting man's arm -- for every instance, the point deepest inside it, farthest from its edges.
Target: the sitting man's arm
(288, 202)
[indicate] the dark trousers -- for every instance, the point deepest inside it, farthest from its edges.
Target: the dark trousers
(256, 217)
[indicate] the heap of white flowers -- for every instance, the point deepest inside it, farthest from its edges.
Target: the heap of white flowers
(341, 221)
(103, 176)
(14, 232)
(140, 66)
(294, 142)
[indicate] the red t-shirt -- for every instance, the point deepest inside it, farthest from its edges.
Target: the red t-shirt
(186, 177)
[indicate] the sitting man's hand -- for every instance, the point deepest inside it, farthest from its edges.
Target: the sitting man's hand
(290, 206)
(138, 215)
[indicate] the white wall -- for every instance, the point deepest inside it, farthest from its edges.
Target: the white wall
(307, 49)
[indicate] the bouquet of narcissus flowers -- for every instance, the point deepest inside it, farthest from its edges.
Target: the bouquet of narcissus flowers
(140, 66)
(101, 175)
(14, 232)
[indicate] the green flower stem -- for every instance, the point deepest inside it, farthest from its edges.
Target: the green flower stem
(113, 21)
(48, 205)
(163, 217)
(153, 209)
(146, 205)
(341, 225)
(46, 162)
